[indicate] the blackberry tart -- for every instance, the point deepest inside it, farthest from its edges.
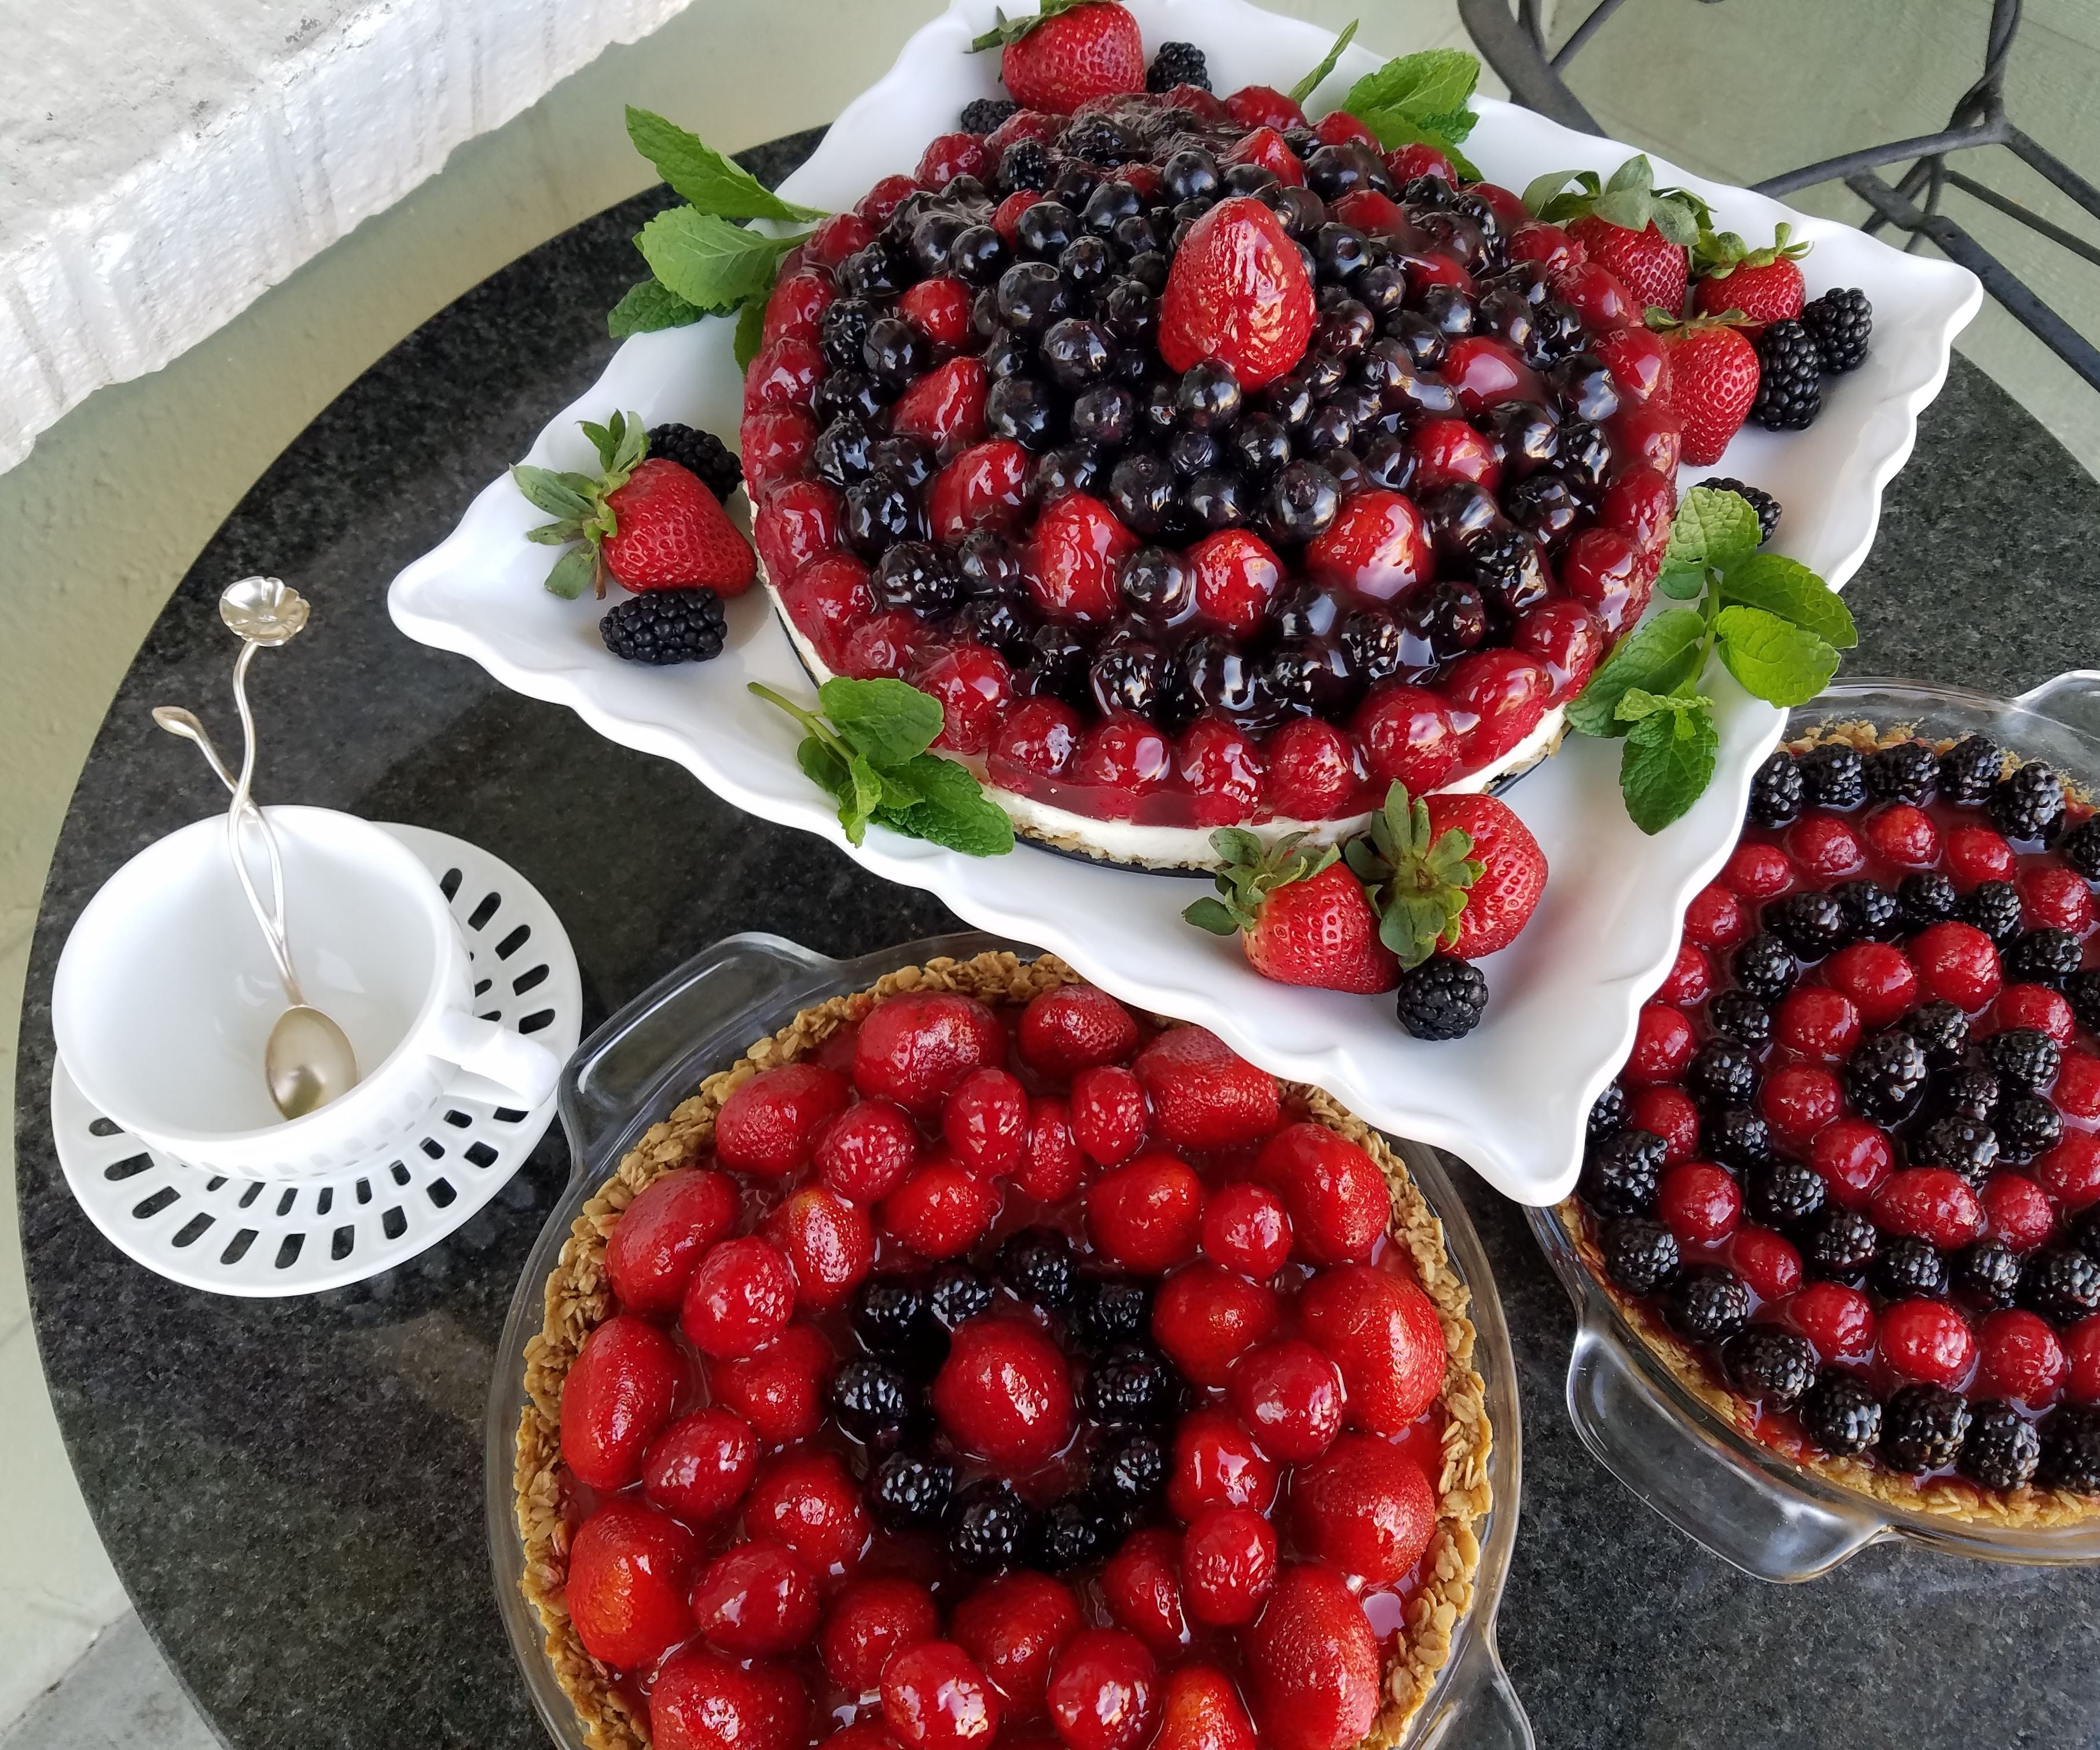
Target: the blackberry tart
(962, 1341)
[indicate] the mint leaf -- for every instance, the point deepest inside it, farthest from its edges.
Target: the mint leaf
(1681, 583)
(711, 264)
(1393, 129)
(1667, 764)
(953, 811)
(1775, 660)
(1313, 81)
(750, 331)
(575, 573)
(1711, 528)
(695, 170)
(1454, 125)
(1659, 657)
(1789, 588)
(887, 720)
(825, 769)
(647, 307)
(1416, 86)
(1637, 703)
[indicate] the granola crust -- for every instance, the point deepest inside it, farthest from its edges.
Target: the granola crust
(578, 1298)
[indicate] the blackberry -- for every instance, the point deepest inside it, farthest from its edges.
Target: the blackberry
(1097, 140)
(2042, 956)
(2082, 990)
(1037, 1264)
(982, 115)
(2060, 1283)
(1773, 1367)
(990, 1526)
(1737, 1015)
(1765, 967)
(1607, 1114)
(1132, 1384)
(1926, 899)
(1709, 1306)
(1840, 323)
(1639, 1255)
(1620, 1174)
(1789, 378)
(1131, 1472)
(1840, 1414)
(2025, 1056)
(1074, 1531)
(1833, 775)
(663, 626)
(891, 1317)
(1922, 1428)
(1782, 1193)
(1969, 770)
(959, 1293)
(1442, 999)
(1737, 1139)
(1872, 912)
(873, 1400)
(1111, 1310)
(2027, 1126)
(1177, 63)
(1942, 1031)
(1767, 507)
(1967, 1145)
(1812, 924)
(1025, 164)
(701, 453)
(1723, 1073)
(2027, 806)
(1965, 1093)
(1884, 1079)
(1991, 1272)
(910, 1493)
(1994, 908)
(1840, 1246)
(1904, 771)
(2070, 1450)
(1907, 1268)
(2002, 1450)
(2080, 848)
(1775, 792)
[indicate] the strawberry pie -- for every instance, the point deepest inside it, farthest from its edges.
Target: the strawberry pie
(1211, 467)
(978, 1362)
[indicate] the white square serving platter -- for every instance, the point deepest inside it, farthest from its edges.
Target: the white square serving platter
(1511, 1098)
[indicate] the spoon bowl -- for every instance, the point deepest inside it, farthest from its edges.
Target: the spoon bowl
(307, 1061)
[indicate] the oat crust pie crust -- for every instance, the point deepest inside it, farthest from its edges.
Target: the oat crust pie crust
(579, 1297)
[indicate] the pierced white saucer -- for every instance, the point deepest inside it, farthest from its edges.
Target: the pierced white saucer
(246, 1237)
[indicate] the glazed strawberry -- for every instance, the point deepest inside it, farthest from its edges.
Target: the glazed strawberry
(1004, 1394)
(949, 155)
(778, 445)
(1378, 545)
(783, 377)
(1603, 300)
(1903, 835)
(1926, 1340)
(757, 1600)
(871, 1622)
(975, 688)
(1837, 1319)
(2069, 1172)
(941, 1211)
(1365, 1508)
(1204, 1319)
(1853, 1158)
(651, 1253)
(1336, 1194)
(1237, 292)
(1145, 1217)
(936, 1697)
(1797, 1100)
(1073, 1028)
(1770, 1262)
(1699, 1203)
(1450, 449)
(914, 1048)
(1929, 1203)
(1123, 760)
(866, 1151)
(1382, 1331)
(1415, 159)
(1246, 1228)
(1262, 106)
(1690, 980)
(1669, 1112)
(1567, 640)
(1053, 1168)
(1265, 148)
(1289, 1397)
(1826, 849)
(740, 1299)
(2082, 1359)
(985, 487)
(1216, 1463)
(1013, 1627)
(2052, 897)
(700, 1467)
(1976, 854)
(1218, 769)
(828, 1242)
(618, 1396)
(1408, 736)
(2017, 1356)
(1104, 1692)
(1235, 577)
(1203, 1096)
(1498, 698)
(1201, 1710)
(2037, 1009)
(797, 301)
(1876, 979)
(2076, 1093)
(984, 1120)
(826, 600)
(1639, 362)
(778, 1391)
(1313, 1663)
(1818, 1023)
(1108, 1113)
(2017, 1212)
(1716, 918)
(1228, 1565)
(1067, 53)
(1606, 572)
(809, 1503)
(1762, 285)
(629, 1568)
(1714, 371)
(1758, 871)
(1957, 963)
(1078, 545)
(1142, 1583)
(703, 1701)
(1302, 917)
(1663, 1044)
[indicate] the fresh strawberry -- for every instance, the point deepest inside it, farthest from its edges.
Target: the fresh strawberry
(1455, 872)
(1713, 375)
(1637, 231)
(1073, 1028)
(1383, 1332)
(1070, 50)
(1237, 292)
(1204, 1096)
(1500, 902)
(1204, 1319)
(1301, 914)
(1765, 286)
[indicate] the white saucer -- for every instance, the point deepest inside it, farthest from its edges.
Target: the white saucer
(243, 1236)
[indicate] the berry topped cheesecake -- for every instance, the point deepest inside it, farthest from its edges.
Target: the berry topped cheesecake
(978, 1362)
(1848, 1184)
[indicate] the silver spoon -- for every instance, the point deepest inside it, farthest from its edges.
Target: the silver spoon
(178, 721)
(307, 1060)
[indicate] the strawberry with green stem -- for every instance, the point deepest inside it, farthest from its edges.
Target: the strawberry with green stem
(1761, 285)
(1300, 913)
(1070, 50)
(1714, 373)
(1452, 872)
(1641, 234)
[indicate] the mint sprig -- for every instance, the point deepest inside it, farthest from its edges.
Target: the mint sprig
(1775, 626)
(1313, 80)
(1421, 99)
(871, 757)
(698, 173)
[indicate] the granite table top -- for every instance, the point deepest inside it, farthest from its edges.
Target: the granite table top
(291, 1490)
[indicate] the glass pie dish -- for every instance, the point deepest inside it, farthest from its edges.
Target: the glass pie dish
(701, 1017)
(1662, 1432)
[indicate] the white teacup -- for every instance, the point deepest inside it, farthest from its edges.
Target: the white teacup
(165, 993)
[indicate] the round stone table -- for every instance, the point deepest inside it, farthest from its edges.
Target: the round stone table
(292, 1490)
